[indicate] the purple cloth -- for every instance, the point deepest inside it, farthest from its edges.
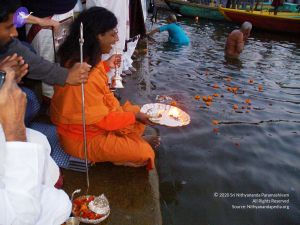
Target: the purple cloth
(45, 8)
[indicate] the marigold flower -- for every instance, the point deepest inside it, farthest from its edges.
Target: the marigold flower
(229, 89)
(216, 130)
(173, 103)
(248, 101)
(228, 79)
(197, 97)
(215, 122)
(208, 103)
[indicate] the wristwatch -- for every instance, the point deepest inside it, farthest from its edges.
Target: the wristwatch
(2, 77)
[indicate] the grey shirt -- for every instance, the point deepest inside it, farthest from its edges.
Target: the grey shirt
(39, 68)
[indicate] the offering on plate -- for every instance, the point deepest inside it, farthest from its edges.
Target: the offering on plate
(166, 114)
(99, 205)
(98, 211)
(173, 113)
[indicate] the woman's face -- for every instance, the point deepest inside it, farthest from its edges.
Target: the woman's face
(107, 40)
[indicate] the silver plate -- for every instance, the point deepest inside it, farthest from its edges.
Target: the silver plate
(88, 221)
(167, 115)
(83, 220)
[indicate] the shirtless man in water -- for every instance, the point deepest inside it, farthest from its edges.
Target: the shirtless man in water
(236, 40)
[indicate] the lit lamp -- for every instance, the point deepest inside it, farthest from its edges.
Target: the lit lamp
(174, 113)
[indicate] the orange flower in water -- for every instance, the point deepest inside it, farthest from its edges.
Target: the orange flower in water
(173, 103)
(208, 103)
(228, 79)
(216, 86)
(197, 97)
(248, 101)
(204, 98)
(250, 81)
(235, 106)
(209, 98)
(216, 95)
(234, 89)
(215, 122)
(260, 88)
(229, 89)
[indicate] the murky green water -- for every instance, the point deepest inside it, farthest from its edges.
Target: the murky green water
(254, 149)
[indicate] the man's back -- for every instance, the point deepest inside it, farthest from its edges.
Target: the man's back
(176, 33)
(235, 44)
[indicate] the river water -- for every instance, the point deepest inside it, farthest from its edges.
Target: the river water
(215, 174)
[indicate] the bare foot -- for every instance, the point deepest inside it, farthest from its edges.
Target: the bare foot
(153, 140)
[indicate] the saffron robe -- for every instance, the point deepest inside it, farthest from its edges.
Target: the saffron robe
(113, 134)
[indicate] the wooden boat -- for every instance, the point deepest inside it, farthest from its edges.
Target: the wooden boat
(194, 9)
(282, 22)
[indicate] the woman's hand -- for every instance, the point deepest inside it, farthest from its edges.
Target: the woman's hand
(114, 61)
(143, 118)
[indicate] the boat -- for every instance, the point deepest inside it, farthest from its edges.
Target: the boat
(282, 22)
(189, 9)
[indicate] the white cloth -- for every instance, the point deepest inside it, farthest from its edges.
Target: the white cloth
(43, 45)
(127, 61)
(27, 178)
(121, 10)
(144, 7)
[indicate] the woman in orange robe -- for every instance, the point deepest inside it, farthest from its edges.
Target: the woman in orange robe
(114, 132)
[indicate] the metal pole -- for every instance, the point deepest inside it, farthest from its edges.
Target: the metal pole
(81, 41)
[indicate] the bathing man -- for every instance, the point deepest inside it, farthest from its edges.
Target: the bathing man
(176, 33)
(236, 40)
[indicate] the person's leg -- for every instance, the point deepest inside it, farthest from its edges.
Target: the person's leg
(130, 149)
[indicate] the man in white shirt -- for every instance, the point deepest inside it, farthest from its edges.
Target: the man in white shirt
(27, 172)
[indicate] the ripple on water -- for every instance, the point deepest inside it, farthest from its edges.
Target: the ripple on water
(253, 149)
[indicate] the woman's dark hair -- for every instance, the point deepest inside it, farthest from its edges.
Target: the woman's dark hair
(7, 7)
(96, 20)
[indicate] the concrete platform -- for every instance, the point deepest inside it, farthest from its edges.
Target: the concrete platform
(132, 192)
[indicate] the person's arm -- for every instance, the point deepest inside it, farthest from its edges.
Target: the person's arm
(119, 120)
(21, 163)
(51, 73)
(153, 32)
(116, 121)
(13, 106)
(43, 22)
(240, 43)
